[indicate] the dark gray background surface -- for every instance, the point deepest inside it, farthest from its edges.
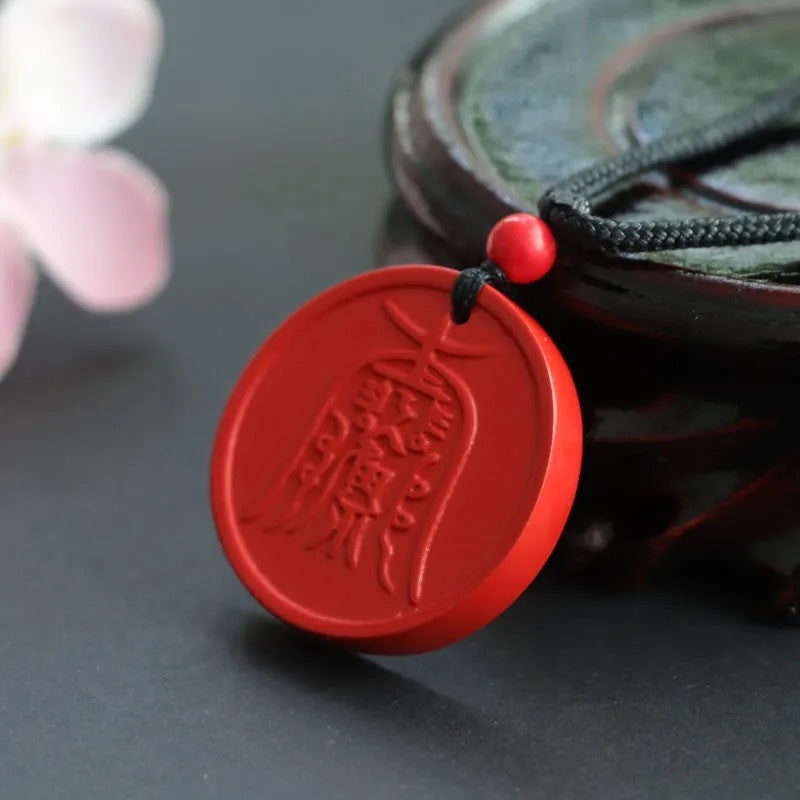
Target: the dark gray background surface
(132, 662)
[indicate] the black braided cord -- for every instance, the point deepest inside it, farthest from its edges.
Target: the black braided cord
(568, 206)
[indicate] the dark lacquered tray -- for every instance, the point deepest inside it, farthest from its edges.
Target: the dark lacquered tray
(516, 94)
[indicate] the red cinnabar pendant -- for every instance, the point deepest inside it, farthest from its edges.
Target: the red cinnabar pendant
(387, 479)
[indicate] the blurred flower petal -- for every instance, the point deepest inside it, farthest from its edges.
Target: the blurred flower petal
(97, 220)
(76, 71)
(17, 284)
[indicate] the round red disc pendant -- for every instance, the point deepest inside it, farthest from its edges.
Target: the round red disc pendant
(388, 479)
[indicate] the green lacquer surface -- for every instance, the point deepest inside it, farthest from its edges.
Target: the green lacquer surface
(526, 105)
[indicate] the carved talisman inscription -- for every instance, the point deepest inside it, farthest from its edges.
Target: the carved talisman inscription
(381, 458)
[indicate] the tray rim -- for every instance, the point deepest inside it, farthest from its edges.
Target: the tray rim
(455, 194)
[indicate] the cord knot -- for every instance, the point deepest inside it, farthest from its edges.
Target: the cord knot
(469, 285)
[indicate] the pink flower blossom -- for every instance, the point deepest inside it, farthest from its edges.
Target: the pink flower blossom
(74, 74)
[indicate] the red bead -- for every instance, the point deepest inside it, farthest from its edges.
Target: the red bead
(523, 246)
